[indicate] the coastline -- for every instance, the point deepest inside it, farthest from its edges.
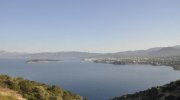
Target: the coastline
(42, 61)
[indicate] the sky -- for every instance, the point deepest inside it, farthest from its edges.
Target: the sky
(88, 25)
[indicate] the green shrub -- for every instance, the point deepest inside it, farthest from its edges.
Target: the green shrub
(32, 90)
(170, 97)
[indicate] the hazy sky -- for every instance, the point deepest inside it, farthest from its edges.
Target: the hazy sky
(88, 25)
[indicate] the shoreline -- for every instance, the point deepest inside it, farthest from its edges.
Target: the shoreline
(173, 62)
(42, 61)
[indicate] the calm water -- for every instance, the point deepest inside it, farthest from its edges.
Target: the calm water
(93, 80)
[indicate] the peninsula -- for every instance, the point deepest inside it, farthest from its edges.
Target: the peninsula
(42, 60)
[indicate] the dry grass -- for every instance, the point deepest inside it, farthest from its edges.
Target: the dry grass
(7, 94)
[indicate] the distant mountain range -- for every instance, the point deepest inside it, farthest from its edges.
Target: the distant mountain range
(152, 52)
(62, 55)
(5, 54)
(158, 51)
(47, 55)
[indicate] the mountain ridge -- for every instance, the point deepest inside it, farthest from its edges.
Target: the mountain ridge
(151, 52)
(157, 51)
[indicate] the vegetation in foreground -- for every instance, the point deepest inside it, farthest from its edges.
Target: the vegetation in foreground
(7, 94)
(169, 91)
(32, 90)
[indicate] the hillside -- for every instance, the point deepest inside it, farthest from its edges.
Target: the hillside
(166, 51)
(32, 90)
(7, 94)
(177, 46)
(169, 91)
(152, 52)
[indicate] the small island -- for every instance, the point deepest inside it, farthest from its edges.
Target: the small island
(42, 60)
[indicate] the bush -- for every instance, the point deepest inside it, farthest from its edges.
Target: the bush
(36, 91)
(170, 97)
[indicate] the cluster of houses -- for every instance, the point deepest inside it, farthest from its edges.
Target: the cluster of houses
(157, 61)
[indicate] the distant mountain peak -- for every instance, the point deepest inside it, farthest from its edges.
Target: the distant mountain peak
(157, 51)
(152, 52)
(168, 49)
(177, 46)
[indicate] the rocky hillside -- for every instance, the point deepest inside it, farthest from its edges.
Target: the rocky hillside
(169, 91)
(31, 90)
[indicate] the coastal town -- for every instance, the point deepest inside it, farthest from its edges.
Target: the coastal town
(173, 61)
